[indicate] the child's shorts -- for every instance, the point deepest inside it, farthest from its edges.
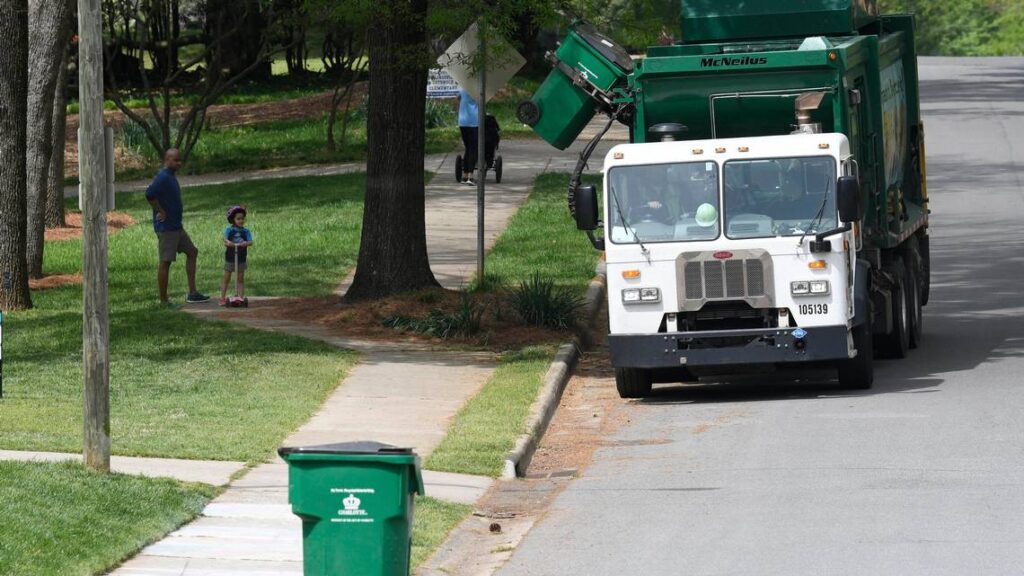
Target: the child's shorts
(229, 266)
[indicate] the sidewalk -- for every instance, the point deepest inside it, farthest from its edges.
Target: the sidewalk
(396, 395)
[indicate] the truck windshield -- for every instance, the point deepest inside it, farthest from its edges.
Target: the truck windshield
(663, 202)
(779, 197)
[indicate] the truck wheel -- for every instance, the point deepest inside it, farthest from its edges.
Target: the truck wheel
(896, 343)
(926, 268)
(859, 373)
(633, 382)
(914, 307)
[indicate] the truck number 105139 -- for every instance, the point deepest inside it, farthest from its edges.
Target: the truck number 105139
(812, 309)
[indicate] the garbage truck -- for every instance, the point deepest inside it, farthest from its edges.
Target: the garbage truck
(770, 210)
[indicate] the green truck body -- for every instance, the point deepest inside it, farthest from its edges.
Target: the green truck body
(768, 68)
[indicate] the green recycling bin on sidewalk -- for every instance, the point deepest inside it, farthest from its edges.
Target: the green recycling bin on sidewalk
(356, 504)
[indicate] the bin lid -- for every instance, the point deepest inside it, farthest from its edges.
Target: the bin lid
(361, 447)
(604, 46)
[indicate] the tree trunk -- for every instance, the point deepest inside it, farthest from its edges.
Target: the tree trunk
(49, 29)
(393, 248)
(14, 292)
(54, 217)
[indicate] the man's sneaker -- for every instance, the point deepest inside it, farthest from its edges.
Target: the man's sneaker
(196, 297)
(223, 302)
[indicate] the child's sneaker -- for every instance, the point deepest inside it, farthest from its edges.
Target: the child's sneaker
(224, 302)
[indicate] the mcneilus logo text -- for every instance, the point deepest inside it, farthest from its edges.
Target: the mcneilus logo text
(744, 61)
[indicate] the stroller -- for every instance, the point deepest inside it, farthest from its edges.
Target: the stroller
(492, 138)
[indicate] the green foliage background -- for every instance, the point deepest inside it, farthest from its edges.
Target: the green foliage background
(965, 27)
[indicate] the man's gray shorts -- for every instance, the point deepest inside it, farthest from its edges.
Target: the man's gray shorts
(172, 242)
(229, 266)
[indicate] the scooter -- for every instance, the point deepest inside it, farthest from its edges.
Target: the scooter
(238, 301)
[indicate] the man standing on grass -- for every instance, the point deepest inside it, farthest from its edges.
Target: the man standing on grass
(164, 195)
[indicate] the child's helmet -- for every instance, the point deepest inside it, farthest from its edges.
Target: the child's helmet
(233, 211)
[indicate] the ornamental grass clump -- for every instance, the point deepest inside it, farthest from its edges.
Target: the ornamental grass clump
(540, 303)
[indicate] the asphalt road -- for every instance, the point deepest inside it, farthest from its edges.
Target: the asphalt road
(923, 474)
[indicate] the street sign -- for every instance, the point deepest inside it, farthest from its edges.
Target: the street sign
(501, 64)
(440, 84)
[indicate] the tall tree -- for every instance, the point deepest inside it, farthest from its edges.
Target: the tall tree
(14, 292)
(54, 217)
(49, 31)
(393, 248)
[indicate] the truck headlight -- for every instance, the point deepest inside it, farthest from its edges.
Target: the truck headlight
(810, 288)
(637, 295)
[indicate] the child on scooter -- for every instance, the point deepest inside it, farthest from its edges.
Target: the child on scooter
(236, 238)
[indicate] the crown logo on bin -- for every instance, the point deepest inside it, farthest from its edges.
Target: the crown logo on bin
(351, 503)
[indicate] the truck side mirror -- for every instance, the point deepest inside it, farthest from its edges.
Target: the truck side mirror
(850, 207)
(586, 208)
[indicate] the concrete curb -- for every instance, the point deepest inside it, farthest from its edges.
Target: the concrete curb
(558, 374)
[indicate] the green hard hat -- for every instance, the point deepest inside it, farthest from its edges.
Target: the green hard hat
(707, 215)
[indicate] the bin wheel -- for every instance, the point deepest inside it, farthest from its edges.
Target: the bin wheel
(458, 168)
(497, 169)
(859, 373)
(633, 382)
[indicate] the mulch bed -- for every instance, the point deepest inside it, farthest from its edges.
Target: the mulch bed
(500, 327)
(73, 225)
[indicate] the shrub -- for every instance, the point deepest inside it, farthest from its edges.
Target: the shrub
(464, 321)
(539, 303)
(439, 114)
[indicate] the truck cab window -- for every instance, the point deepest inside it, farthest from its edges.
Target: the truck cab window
(664, 202)
(779, 197)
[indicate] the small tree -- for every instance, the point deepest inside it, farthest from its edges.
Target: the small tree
(207, 75)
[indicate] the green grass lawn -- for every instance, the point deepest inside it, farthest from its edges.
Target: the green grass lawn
(63, 520)
(181, 386)
(301, 142)
(486, 427)
(432, 521)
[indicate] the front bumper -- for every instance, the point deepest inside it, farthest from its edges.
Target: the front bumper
(728, 347)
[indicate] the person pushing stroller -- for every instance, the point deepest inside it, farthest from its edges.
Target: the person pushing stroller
(469, 122)
(237, 239)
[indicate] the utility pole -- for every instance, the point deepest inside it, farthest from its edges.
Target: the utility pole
(481, 159)
(92, 166)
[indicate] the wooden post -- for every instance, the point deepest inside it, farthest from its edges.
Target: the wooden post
(92, 166)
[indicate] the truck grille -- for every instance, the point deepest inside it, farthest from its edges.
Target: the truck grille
(715, 279)
(747, 276)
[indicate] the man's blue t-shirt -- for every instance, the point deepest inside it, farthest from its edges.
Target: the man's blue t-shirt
(167, 192)
(236, 235)
(469, 113)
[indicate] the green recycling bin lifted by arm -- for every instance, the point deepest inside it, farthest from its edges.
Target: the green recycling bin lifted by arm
(356, 504)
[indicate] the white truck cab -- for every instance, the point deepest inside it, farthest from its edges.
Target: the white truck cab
(730, 253)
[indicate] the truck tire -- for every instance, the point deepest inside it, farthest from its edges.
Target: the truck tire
(896, 343)
(914, 306)
(926, 268)
(633, 382)
(859, 373)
